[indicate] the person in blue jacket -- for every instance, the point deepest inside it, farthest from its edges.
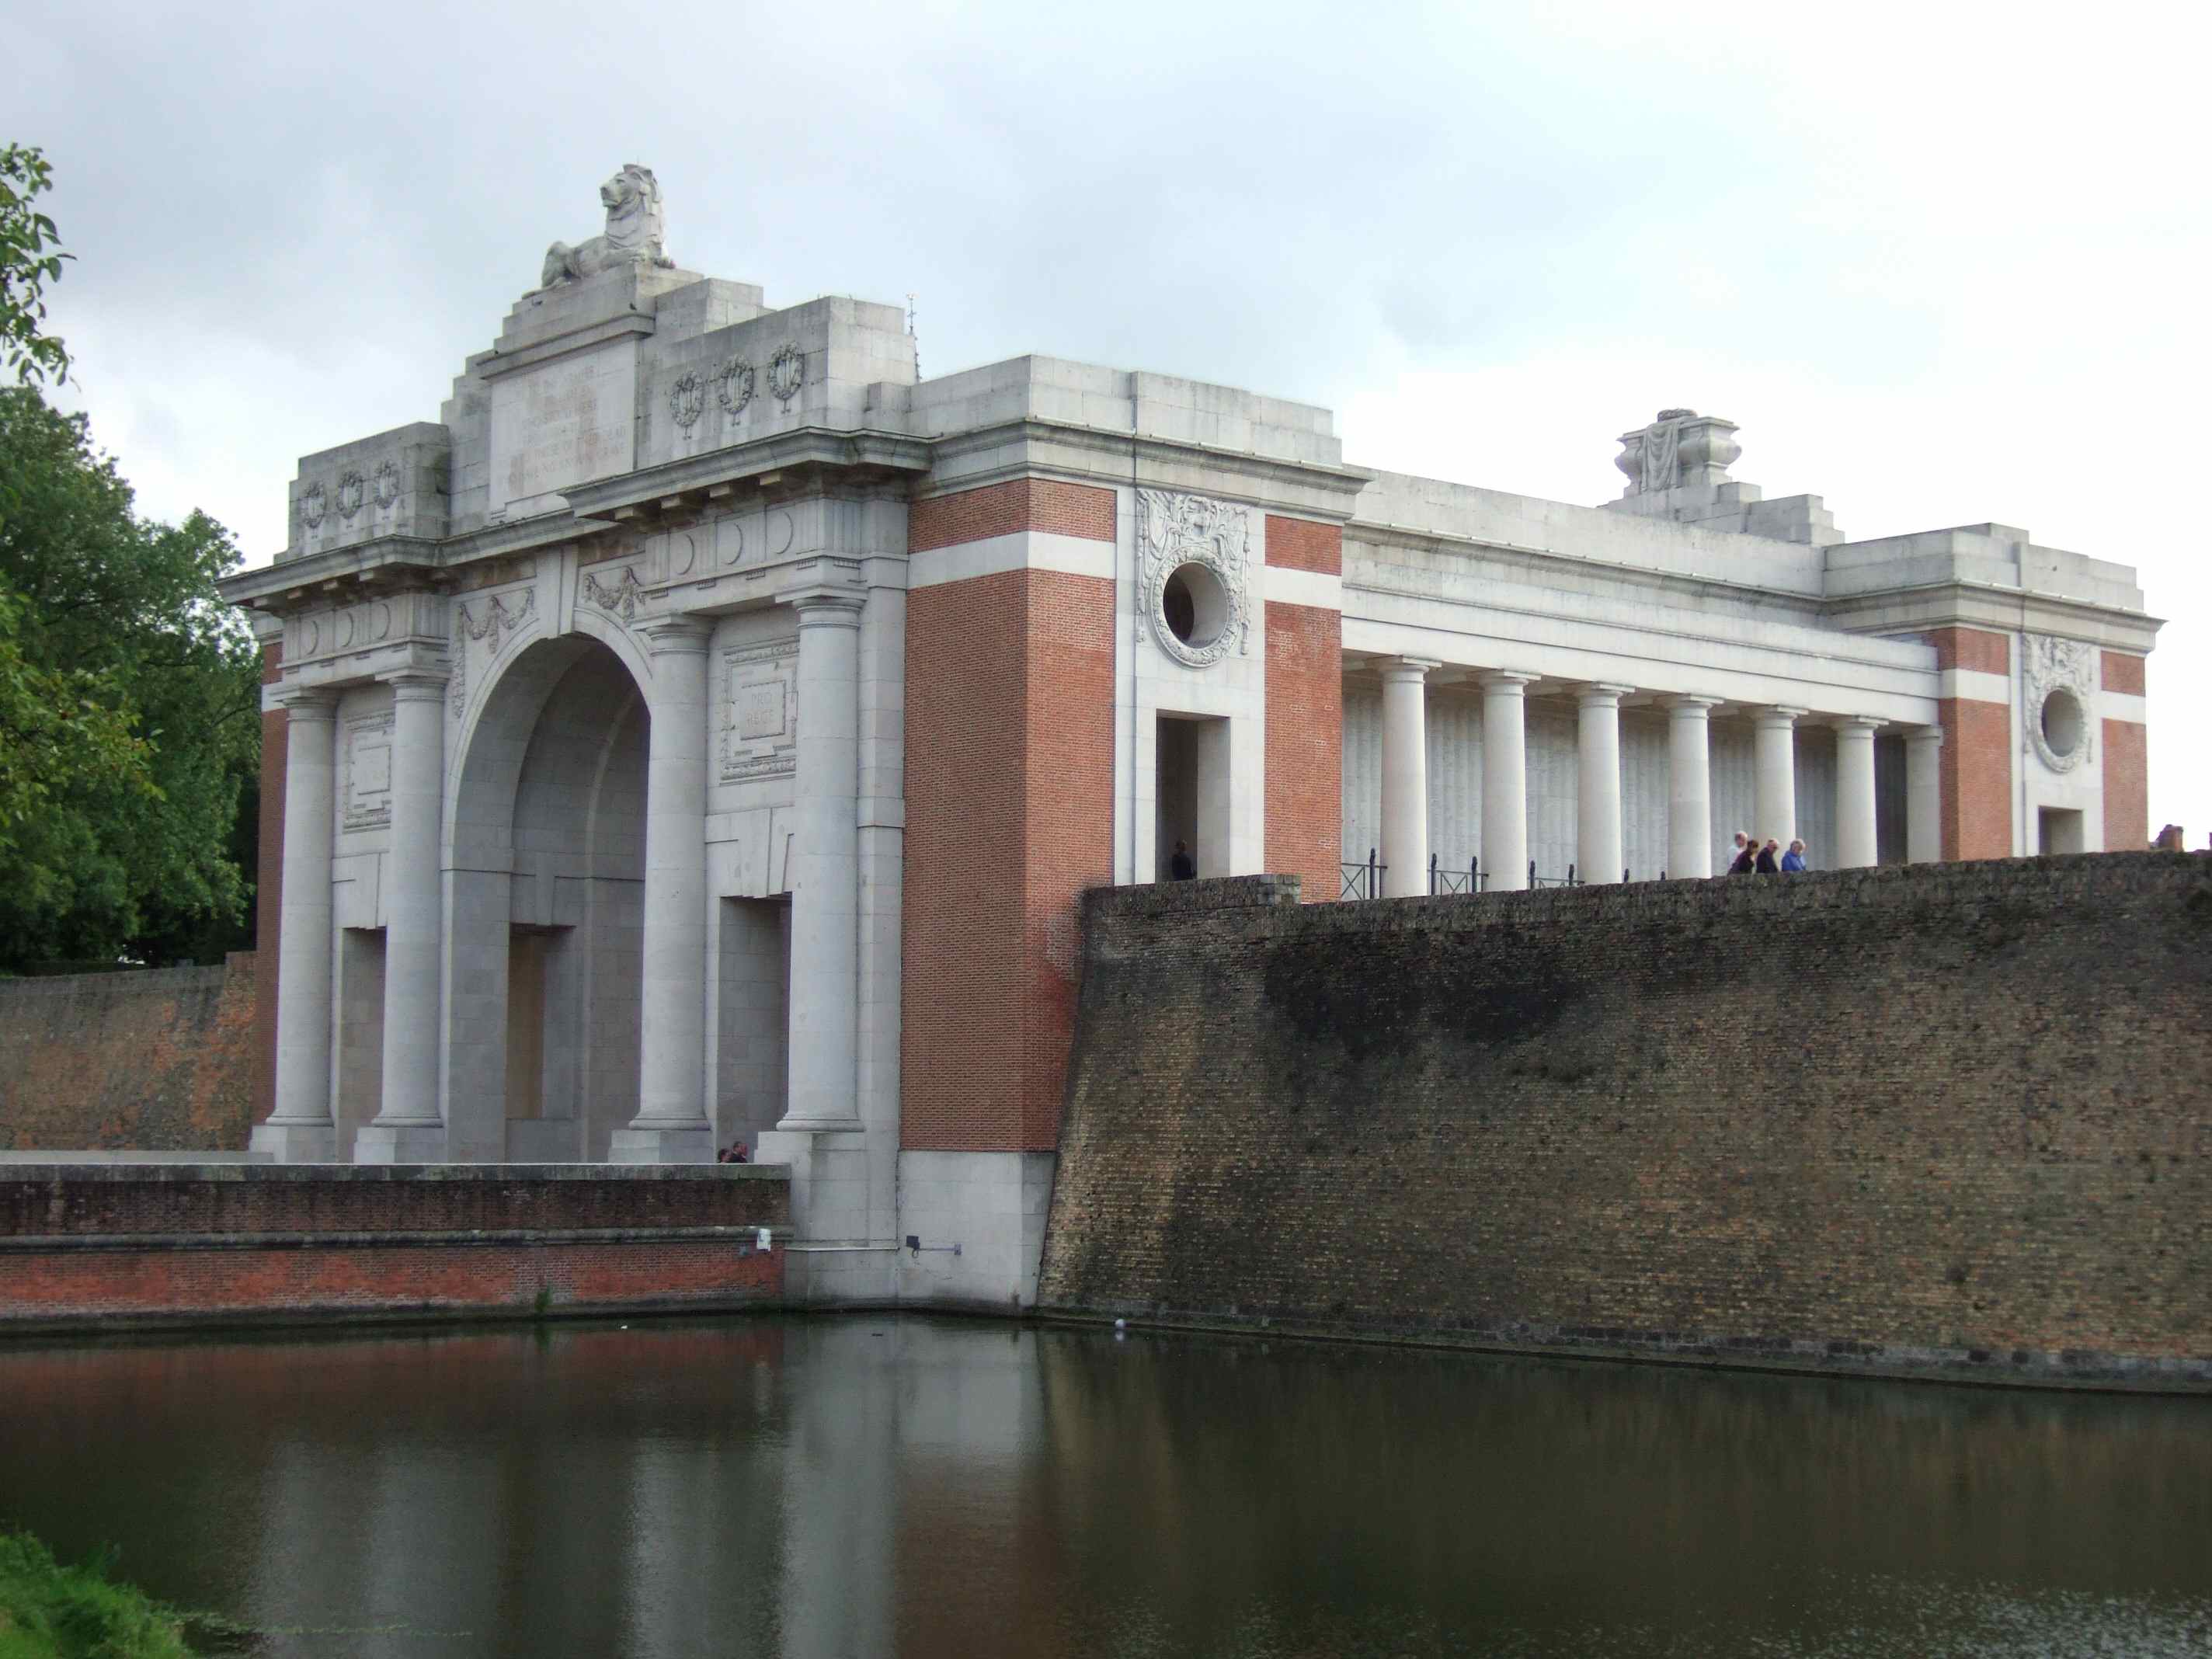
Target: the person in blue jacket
(1794, 860)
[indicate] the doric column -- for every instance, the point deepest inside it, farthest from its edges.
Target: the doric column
(1505, 780)
(408, 1128)
(825, 884)
(1689, 785)
(1774, 755)
(300, 1129)
(670, 1126)
(1597, 795)
(1856, 843)
(1405, 775)
(1924, 794)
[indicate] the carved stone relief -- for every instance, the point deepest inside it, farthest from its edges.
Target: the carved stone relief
(2059, 680)
(1175, 530)
(687, 399)
(619, 597)
(786, 373)
(490, 624)
(760, 711)
(353, 490)
(734, 385)
(314, 504)
(368, 771)
(388, 483)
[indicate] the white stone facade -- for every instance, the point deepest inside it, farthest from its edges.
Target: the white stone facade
(595, 798)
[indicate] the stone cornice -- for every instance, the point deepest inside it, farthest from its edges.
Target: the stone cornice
(1988, 605)
(807, 446)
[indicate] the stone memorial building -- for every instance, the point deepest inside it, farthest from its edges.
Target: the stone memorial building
(701, 732)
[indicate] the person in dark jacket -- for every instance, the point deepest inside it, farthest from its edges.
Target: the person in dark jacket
(1746, 858)
(1182, 867)
(1766, 864)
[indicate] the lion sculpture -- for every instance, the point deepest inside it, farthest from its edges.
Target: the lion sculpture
(633, 234)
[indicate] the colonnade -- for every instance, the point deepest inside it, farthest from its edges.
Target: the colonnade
(1598, 837)
(672, 1123)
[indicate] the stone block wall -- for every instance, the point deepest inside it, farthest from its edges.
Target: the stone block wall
(157, 1060)
(1948, 1118)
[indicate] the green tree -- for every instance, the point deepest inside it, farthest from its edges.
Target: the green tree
(121, 842)
(30, 258)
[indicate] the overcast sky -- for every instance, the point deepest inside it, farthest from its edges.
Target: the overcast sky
(1943, 263)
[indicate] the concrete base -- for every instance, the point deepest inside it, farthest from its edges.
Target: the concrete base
(662, 1147)
(399, 1143)
(992, 1206)
(297, 1143)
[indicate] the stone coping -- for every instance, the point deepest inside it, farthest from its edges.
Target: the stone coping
(384, 1174)
(78, 1243)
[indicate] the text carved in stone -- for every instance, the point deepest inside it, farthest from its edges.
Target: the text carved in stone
(760, 715)
(368, 772)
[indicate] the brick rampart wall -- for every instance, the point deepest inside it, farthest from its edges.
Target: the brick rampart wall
(159, 1059)
(85, 1244)
(1953, 1120)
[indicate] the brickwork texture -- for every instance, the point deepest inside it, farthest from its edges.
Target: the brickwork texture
(1010, 816)
(160, 1059)
(1941, 1119)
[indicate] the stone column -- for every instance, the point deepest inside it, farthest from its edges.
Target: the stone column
(670, 1126)
(1856, 841)
(825, 883)
(1924, 794)
(1597, 795)
(1405, 775)
(1774, 755)
(408, 1128)
(1505, 780)
(1689, 786)
(300, 1129)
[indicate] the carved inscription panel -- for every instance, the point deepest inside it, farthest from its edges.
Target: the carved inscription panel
(368, 771)
(563, 422)
(760, 711)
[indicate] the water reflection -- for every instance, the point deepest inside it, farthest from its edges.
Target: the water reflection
(887, 1485)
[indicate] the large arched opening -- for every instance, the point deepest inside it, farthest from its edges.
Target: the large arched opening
(545, 897)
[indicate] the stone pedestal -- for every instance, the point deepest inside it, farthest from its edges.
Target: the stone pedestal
(1405, 776)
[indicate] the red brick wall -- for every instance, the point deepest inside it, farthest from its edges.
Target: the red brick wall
(159, 1059)
(75, 1285)
(1019, 504)
(1010, 815)
(2124, 673)
(2127, 784)
(1977, 778)
(1976, 764)
(1970, 648)
(1305, 744)
(270, 893)
(1302, 544)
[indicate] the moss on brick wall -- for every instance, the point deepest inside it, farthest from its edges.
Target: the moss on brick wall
(159, 1059)
(1926, 1117)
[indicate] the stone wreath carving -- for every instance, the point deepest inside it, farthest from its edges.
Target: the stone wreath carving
(498, 625)
(387, 483)
(1173, 530)
(314, 504)
(353, 490)
(617, 598)
(687, 399)
(734, 385)
(786, 373)
(2053, 665)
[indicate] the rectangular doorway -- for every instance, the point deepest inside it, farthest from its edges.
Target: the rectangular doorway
(752, 1082)
(1192, 792)
(2058, 830)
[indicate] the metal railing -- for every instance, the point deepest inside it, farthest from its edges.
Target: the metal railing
(1470, 880)
(1363, 881)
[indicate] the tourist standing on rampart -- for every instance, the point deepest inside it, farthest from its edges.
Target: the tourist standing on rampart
(1792, 861)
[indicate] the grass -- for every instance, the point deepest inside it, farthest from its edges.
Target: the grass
(49, 1611)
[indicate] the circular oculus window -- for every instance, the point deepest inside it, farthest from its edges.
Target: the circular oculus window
(1194, 605)
(2062, 723)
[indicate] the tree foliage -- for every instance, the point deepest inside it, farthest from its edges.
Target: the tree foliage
(30, 258)
(130, 707)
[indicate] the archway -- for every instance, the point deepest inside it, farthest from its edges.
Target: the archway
(544, 902)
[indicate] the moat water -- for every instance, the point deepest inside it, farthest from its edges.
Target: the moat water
(912, 1487)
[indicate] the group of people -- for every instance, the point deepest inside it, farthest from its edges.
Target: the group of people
(1752, 859)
